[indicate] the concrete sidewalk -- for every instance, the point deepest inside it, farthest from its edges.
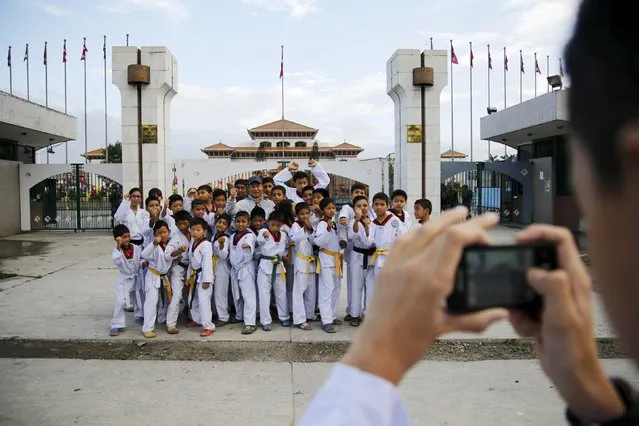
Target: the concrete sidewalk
(64, 290)
(63, 392)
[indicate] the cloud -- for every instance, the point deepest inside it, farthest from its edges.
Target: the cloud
(173, 9)
(294, 8)
(52, 9)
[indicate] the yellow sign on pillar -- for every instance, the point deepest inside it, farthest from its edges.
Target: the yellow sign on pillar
(414, 133)
(150, 133)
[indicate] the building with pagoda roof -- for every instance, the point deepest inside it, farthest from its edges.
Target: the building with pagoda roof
(283, 139)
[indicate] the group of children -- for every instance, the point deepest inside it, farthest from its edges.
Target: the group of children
(229, 265)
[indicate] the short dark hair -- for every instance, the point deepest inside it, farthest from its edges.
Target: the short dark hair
(182, 216)
(381, 196)
(199, 221)
(279, 188)
(325, 202)
(308, 188)
(299, 175)
(155, 192)
(399, 193)
(603, 47)
(225, 217)
(258, 212)
(267, 179)
(175, 197)
(358, 185)
(197, 202)
(242, 213)
(218, 192)
(132, 190)
(160, 224)
(359, 198)
(322, 191)
(301, 206)
(119, 230)
(149, 199)
(425, 203)
(206, 188)
(243, 182)
(276, 215)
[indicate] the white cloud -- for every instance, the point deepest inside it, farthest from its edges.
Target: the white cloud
(52, 9)
(173, 9)
(294, 8)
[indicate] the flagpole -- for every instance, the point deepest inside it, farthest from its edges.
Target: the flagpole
(106, 134)
(46, 77)
(535, 74)
(64, 60)
(26, 57)
(452, 115)
(505, 99)
(282, 78)
(521, 77)
(10, 72)
(86, 142)
(471, 100)
(547, 73)
(489, 69)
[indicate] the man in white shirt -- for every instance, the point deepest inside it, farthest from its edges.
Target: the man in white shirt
(300, 179)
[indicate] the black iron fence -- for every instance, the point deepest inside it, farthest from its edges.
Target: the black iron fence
(74, 201)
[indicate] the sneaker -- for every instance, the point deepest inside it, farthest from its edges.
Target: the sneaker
(219, 323)
(267, 327)
(205, 332)
(249, 329)
(337, 322)
(139, 320)
(355, 322)
(149, 334)
(114, 332)
(286, 323)
(328, 328)
(172, 330)
(348, 318)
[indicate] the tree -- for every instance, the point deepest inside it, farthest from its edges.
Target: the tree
(114, 152)
(501, 158)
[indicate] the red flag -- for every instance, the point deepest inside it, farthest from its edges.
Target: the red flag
(282, 64)
(453, 57)
(9, 57)
(84, 50)
(521, 61)
(490, 60)
(44, 61)
(472, 57)
(505, 60)
(64, 51)
(104, 49)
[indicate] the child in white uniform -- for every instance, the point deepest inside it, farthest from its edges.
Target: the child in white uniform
(243, 272)
(423, 209)
(221, 269)
(177, 250)
(157, 282)
(200, 278)
(398, 200)
(327, 238)
(304, 266)
(126, 257)
(272, 273)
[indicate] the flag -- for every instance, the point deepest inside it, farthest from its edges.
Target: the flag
(64, 51)
(9, 57)
(472, 57)
(561, 68)
(282, 64)
(26, 53)
(521, 60)
(84, 50)
(104, 49)
(537, 69)
(44, 59)
(453, 57)
(490, 60)
(505, 60)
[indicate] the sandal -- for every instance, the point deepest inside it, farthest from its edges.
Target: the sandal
(337, 322)
(305, 326)
(249, 329)
(355, 322)
(329, 328)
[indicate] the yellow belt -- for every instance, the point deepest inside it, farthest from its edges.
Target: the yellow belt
(376, 255)
(164, 281)
(308, 260)
(215, 259)
(338, 260)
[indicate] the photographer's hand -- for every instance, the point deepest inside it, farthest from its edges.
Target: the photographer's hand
(408, 312)
(564, 338)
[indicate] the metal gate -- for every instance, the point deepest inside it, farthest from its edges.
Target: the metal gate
(501, 187)
(74, 201)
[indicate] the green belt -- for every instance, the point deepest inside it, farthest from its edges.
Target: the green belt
(276, 260)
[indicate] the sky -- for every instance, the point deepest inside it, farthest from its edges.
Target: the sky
(335, 54)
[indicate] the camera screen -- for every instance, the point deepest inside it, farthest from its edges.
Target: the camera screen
(497, 277)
